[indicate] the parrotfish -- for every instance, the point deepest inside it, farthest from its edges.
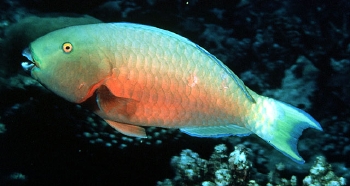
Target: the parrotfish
(134, 75)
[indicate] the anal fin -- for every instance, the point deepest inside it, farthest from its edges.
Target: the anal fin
(127, 129)
(216, 131)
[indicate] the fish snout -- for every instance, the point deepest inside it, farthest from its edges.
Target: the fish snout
(27, 66)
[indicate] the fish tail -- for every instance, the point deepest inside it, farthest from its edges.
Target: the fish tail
(280, 125)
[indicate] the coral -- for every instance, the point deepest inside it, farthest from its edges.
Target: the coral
(219, 158)
(189, 167)
(2, 128)
(223, 177)
(321, 174)
(17, 176)
(339, 78)
(298, 84)
(14, 178)
(236, 169)
(275, 178)
(340, 66)
(240, 165)
(220, 169)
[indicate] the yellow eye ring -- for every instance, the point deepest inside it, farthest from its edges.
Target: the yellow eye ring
(67, 47)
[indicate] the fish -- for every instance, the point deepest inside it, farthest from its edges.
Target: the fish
(134, 76)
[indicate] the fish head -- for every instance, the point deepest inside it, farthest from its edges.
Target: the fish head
(69, 62)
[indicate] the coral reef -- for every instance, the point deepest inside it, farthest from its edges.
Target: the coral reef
(236, 169)
(15, 178)
(240, 164)
(275, 176)
(321, 174)
(221, 169)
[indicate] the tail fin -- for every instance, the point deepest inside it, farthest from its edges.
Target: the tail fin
(281, 125)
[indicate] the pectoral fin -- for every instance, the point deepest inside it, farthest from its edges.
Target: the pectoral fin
(113, 107)
(129, 130)
(117, 108)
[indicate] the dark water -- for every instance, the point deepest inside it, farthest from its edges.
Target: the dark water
(294, 51)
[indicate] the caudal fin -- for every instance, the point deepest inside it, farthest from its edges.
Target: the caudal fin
(281, 125)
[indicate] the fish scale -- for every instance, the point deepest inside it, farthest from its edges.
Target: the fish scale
(134, 75)
(174, 82)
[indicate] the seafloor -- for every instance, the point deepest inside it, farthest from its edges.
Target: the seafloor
(293, 50)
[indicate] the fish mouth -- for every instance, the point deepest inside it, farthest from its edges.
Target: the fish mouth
(28, 65)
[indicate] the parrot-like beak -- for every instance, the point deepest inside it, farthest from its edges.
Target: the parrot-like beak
(28, 66)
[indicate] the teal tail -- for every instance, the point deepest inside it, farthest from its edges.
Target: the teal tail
(280, 125)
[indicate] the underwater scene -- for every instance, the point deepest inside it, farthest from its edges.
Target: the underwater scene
(175, 92)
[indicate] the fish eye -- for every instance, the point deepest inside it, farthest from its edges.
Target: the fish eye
(67, 47)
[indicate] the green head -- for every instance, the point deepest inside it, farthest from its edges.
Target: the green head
(71, 62)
